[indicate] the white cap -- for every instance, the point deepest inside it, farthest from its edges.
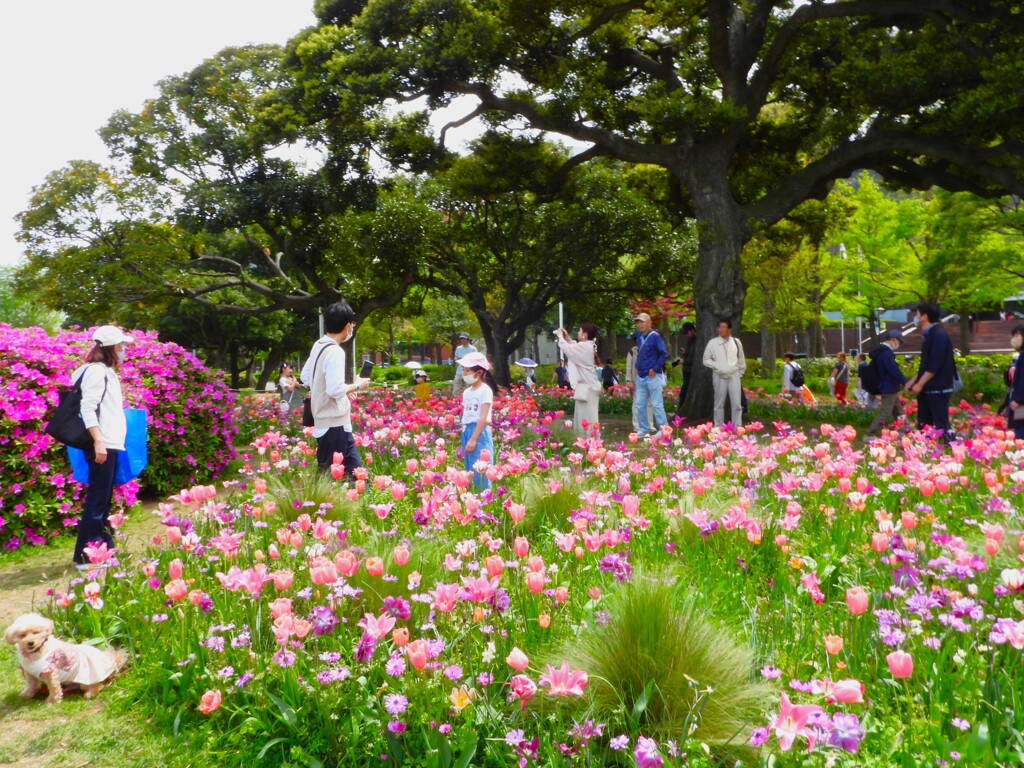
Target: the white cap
(475, 360)
(110, 336)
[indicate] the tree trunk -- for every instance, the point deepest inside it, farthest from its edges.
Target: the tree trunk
(270, 365)
(965, 333)
(718, 286)
(767, 353)
(233, 357)
(815, 339)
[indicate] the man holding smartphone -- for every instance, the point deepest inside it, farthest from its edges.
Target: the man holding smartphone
(324, 374)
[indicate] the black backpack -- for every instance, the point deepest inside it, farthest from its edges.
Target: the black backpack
(797, 375)
(871, 379)
(66, 424)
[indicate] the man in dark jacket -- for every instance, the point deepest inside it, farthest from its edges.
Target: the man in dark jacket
(687, 354)
(1016, 385)
(933, 383)
(890, 382)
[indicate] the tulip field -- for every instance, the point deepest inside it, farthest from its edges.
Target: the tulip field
(760, 596)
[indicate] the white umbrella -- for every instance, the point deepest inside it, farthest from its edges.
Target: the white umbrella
(413, 364)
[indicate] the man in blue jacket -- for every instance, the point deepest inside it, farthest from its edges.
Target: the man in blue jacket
(890, 382)
(933, 383)
(650, 375)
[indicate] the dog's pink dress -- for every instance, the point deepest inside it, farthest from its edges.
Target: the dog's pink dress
(81, 664)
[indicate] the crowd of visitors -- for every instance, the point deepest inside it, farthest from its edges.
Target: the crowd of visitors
(880, 383)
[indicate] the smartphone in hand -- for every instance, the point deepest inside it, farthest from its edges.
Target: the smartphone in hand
(366, 370)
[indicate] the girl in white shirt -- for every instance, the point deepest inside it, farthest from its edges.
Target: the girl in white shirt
(103, 414)
(477, 399)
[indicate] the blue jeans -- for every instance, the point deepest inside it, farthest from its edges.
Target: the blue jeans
(469, 459)
(93, 525)
(649, 390)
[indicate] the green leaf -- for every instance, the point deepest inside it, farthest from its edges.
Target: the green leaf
(271, 743)
(467, 745)
(287, 713)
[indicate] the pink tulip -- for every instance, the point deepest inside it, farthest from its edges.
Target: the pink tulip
(494, 565)
(857, 600)
(901, 664)
(523, 689)
(374, 566)
(400, 555)
(322, 571)
(847, 691)
(210, 702)
(535, 581)
(518, 660)
(347, 563)
(176, 590)
(564, 681)
(175, 568)
(521, 547)
(283, 579)
(630, 505)
(416, 652)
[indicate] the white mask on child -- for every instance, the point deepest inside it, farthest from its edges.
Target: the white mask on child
(469, 378)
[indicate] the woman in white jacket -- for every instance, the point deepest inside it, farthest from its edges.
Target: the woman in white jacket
(582, 359)
(103, 414)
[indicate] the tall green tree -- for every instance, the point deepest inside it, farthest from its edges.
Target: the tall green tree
(512, 253)
(753, 106)
(98, 246)
(271, 209)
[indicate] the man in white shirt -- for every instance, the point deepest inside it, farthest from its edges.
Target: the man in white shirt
(324, 374)
(464, 348)
(789, 369)
(724, 356)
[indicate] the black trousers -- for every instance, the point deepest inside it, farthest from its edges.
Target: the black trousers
(337, 440)
(92, 525)
(933, 411)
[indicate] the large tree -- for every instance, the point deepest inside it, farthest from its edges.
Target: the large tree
(512, 253)
(752, 105)
(276, 213)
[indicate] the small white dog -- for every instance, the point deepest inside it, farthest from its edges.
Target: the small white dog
(45, 659)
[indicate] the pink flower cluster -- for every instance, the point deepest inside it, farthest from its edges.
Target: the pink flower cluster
(190, 427)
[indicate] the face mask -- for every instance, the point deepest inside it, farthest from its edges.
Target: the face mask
(916, 321)
(469, 378)
(1015, 342)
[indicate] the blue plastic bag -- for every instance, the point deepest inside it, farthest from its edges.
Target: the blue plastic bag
(132, 460)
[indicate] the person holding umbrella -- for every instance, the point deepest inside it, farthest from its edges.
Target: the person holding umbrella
(530, 366)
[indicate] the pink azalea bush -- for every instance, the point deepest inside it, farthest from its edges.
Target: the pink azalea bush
(408, 617)
(190, 426)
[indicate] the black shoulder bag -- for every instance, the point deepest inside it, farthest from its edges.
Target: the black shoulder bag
(66, 425)
(307, 402)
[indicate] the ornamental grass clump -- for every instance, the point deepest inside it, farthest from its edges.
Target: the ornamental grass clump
(658, 657)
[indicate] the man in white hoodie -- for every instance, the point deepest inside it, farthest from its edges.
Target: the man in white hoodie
(724, 356)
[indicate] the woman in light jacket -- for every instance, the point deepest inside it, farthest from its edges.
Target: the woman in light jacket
(103, 414)
(582, 360)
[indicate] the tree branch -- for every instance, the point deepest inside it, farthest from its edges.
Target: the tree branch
(879, 150)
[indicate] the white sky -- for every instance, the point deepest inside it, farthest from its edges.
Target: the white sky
(68, 65)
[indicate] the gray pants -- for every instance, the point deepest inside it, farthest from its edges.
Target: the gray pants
(458, 385)
(890, 409)
(733, 387)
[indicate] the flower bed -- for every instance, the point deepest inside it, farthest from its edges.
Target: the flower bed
(190, 426)
(710, 597)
